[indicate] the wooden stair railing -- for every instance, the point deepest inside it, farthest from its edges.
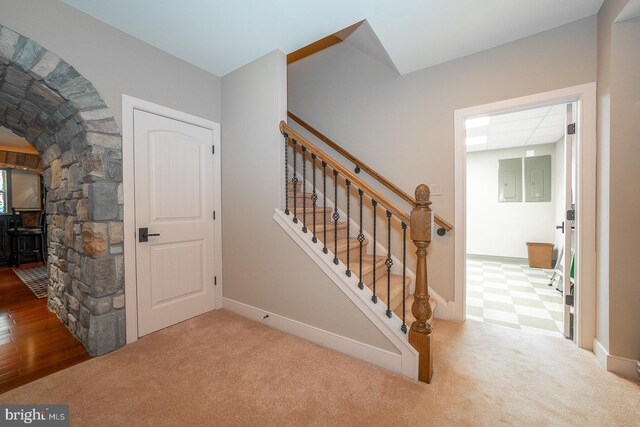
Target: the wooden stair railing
(443, 225)
(419, 222)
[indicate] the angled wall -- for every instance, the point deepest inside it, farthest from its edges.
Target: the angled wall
(403, 125)
(262, 266)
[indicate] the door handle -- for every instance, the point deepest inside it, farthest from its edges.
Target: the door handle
(560, 227)
(143, 234)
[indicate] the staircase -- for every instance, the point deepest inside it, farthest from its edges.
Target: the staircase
(370, 260)
(348, 251)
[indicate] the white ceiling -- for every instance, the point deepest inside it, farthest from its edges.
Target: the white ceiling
(9, 141)
(220, 36)
(542, 125)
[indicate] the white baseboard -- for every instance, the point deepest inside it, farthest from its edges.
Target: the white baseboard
(615, 364)
(445, 310)
(366, 352)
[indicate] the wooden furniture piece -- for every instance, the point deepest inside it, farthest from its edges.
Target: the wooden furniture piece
(28, 225)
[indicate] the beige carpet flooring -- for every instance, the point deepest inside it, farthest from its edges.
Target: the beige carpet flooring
(222, 369)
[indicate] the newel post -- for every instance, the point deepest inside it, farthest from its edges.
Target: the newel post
(420, 332)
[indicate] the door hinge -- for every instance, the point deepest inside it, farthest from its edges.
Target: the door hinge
(571, 129)
(215, 280)
(571, 215)
(214, 215)
(213, 149)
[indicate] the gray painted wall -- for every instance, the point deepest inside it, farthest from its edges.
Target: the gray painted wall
(403, 125)
(262, 265)
(619, 102)
(113, 61)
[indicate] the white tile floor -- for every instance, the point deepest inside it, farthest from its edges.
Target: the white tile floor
(513, 295)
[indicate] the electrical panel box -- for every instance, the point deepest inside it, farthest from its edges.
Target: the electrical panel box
(510, 180)
(537, 173)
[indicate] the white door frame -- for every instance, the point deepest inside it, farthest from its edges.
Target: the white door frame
(585, 301)
(129, 104)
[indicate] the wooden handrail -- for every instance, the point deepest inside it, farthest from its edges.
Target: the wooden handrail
(356, 180)
(442, 223)
(368, 169)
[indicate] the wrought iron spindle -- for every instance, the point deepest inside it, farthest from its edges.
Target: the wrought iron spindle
(389, 263)
(374, 298)
(286, 174)
(314, 196)
(336, 217)
(404, 276)
(360, 240)
(304, 189)
(324, 205)
(294, 181)
(348, 272)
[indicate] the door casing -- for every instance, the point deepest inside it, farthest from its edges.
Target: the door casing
(585, 97)
(129, 105)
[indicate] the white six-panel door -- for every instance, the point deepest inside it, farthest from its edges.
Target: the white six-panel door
(174, 181)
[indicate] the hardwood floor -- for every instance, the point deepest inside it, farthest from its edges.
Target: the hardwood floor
(33, 341)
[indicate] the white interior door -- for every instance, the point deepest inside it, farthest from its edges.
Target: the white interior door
(569, 222)
(174, 181)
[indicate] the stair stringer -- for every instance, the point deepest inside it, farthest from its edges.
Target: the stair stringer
(361, 298)
(443, 310)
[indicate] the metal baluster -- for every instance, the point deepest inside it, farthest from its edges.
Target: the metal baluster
(389, 263)
(348, 272)
(294, 181)
(314, 197)
(286, 174)
(404, 276)
(336, 217)
(361, 240)
(374, 298)
(324, 205)
(304, 189)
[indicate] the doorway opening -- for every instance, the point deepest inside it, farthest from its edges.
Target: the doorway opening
(515, 181)
(61, 115)
(525, 197)
(33, 341)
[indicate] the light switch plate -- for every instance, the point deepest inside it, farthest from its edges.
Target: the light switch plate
(436, 189)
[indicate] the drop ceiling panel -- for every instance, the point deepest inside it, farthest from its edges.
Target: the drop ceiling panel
(540, 125)
(513, 126)
(520, 115)
(512, 136)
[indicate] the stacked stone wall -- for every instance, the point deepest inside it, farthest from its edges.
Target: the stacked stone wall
(45, 100)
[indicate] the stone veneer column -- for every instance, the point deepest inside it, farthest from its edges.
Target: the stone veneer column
(61, 114)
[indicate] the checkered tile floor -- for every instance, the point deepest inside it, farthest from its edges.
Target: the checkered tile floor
(513, 295)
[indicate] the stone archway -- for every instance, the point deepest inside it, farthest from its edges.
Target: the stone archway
(45, 100)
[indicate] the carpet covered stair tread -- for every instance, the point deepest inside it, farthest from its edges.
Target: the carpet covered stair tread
(342, 225)
(367, 265)
(307, 217)
(395, 281)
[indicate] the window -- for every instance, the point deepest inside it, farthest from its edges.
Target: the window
(3, 191)
(19, 189)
